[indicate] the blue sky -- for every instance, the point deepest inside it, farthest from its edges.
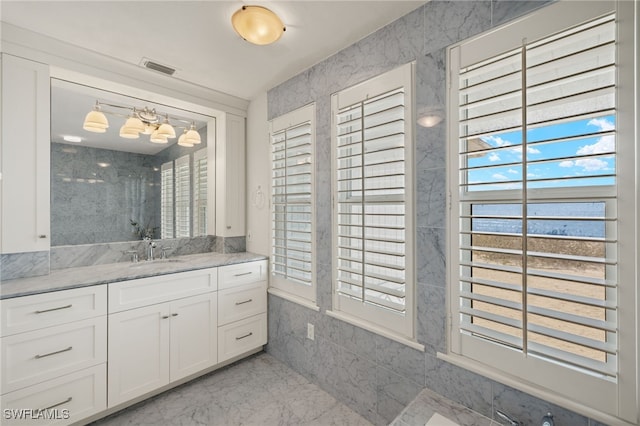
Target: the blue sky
(509, 150)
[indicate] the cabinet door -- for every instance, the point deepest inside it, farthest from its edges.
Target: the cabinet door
(138, 352)
(193, 335)
(230, 178)
(25, 155)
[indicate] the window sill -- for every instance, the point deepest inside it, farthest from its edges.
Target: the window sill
(498, 376)
(293, 298)
(377, 330)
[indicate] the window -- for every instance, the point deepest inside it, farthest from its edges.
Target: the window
(200, 193)
(536, 181)
(177, 210)
(183, 196)
(372, 144)
(166, 200)
(292, 202)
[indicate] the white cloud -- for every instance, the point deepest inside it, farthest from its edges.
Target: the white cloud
(499, 176)
(592, 164)
(494, 157)
(530, 150)
(602, 123)
(605, 143)
(513, 172)
(496, 141)
(587, 164)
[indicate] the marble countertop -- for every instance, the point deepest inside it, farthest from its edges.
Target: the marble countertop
(64, 279)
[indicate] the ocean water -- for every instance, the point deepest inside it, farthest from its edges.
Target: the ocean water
(548, 225)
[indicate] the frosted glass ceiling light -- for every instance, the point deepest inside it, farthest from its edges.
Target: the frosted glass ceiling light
(192, 136)
(95, 121)
(257, 25)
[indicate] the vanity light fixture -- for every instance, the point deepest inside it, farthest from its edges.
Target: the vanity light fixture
(96, 121)
(141, 121)
(257, 25)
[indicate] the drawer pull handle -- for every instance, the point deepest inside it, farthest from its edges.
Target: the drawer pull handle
(242, 303)
(244, 337)
(166, 316)
(54, 353)
(57, 405)
(174, 315)
(243, 274)
(53, 309)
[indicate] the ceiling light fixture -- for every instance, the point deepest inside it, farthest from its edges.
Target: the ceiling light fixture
(257, 25)
(141, 121)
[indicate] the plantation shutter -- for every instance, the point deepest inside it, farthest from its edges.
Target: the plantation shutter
(292, 204)
(166, 200)
(537, 199)
(373, 187)
(183, 196)
(200, 193)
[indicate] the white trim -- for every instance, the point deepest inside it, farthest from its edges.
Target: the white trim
(381, 320)
(293, 298)
(536, 391)
(303, 294)
(375, 329)
(599, 398)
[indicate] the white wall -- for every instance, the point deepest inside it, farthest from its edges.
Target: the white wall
(258, 174)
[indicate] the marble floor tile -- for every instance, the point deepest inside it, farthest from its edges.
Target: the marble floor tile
(258, 391)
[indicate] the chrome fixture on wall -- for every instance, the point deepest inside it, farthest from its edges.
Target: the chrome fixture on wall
(142, 121)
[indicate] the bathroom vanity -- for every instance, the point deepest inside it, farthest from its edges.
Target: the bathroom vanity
(81, 343)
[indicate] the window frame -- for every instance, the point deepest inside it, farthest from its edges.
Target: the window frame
(284, 287)
(199, 227)
(598, 398)
(372, 317)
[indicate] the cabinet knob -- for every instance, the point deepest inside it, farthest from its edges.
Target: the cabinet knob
(228, 226)
(42, 236)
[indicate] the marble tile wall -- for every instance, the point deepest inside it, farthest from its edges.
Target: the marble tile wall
(98, 254)
(95, 192)
(376, 376)
(24, 265)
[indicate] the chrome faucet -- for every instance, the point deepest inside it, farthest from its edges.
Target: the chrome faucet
(150, 246)
(510, 421)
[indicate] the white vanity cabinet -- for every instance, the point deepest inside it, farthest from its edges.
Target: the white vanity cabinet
(242, 308)
(25, 155)
(160, 330)
(54, 353)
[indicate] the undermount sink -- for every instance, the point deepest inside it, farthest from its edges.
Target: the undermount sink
(154, 262)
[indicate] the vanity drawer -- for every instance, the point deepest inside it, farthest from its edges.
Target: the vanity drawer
(28, 313)
(241, 336)
(69, 398)
(241, 302)
(132, 294)
(242, 273)
(36, 356)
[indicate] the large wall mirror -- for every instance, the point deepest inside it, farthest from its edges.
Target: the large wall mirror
(109, 186)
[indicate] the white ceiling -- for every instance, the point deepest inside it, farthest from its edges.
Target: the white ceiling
(197, 39)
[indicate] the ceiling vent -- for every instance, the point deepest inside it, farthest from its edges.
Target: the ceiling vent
(152, 65)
